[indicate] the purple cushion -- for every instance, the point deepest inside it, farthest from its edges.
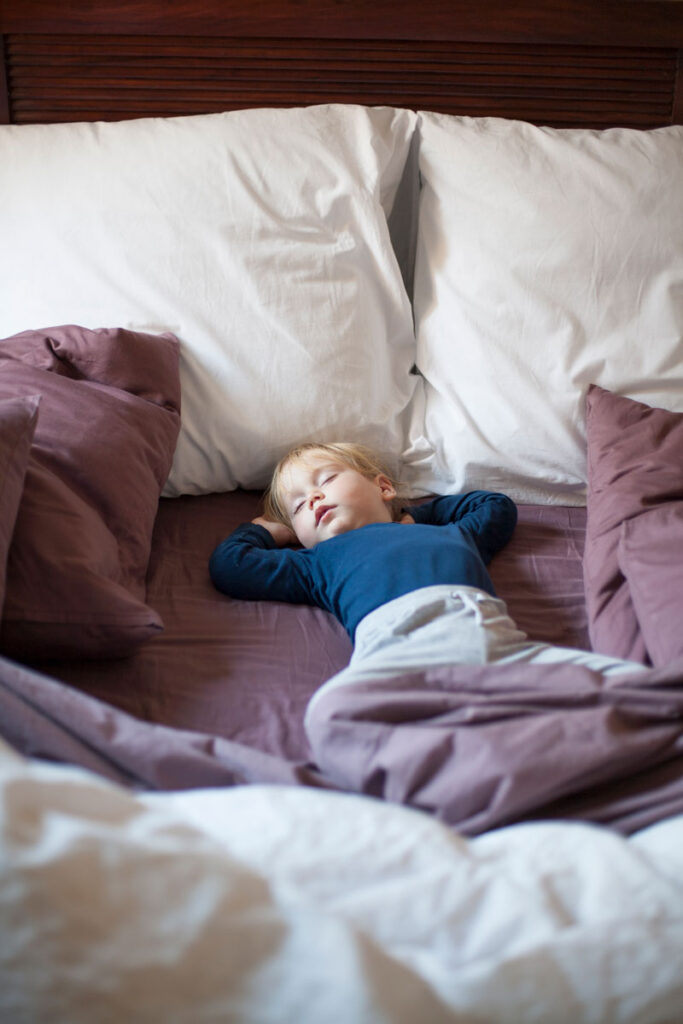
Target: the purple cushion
(17, 424)
(103, 446)
(651, 559)
(634, 465)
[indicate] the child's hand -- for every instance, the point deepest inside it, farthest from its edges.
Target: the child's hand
(281, 534)
(406, 518)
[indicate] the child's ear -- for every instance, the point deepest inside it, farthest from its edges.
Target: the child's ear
(386, 487)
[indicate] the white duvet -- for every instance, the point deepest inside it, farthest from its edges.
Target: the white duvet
(296, 905)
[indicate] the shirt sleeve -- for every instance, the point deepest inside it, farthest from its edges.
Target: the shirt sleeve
(488, 517)
(250, 566)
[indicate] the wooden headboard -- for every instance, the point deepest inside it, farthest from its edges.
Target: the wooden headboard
(569, 63)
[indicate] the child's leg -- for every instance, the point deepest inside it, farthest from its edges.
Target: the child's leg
(431, 626)
(548, 654)
(413, 719)
(451, 626)
(506, 644)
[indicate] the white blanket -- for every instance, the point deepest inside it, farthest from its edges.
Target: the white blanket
(294, 905)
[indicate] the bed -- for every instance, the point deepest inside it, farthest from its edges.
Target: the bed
(452, 232)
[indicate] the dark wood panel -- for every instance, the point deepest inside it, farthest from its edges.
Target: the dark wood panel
(4, 86)
(608, 22)
(35, 50)
(677, 112)
(88, 77)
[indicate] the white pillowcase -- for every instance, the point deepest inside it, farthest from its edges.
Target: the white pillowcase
(547, 260)
(258, 237)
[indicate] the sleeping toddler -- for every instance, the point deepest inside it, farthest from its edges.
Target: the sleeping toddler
(410, 586)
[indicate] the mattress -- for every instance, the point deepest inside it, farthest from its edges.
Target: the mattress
(246, 670)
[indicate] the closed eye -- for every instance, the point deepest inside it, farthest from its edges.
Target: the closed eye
(327, 478)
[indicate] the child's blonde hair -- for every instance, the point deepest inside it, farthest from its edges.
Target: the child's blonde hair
(357, 456)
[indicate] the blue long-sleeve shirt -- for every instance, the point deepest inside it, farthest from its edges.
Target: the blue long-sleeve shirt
(452, 541)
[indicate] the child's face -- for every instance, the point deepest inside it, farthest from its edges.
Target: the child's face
(326, 497)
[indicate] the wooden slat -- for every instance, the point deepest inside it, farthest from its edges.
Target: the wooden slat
(677, 111)
(87, 78)
(34, 50)
(4, 86)
(603, 23)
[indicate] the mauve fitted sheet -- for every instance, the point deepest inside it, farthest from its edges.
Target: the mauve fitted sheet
(245, 670)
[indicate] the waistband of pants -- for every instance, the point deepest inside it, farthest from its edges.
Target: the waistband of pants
(445, 595)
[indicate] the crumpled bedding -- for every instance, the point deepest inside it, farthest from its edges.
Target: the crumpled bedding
(484, 746)
(477, 746)
(271, 904)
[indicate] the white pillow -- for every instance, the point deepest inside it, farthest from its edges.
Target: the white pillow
(258, 237)
(547, 260)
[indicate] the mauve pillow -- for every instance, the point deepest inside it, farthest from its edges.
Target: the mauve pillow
(635, 463)
(17, 423)
(102, 450)
(651, 559)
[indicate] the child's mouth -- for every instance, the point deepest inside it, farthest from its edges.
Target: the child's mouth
(322, 514)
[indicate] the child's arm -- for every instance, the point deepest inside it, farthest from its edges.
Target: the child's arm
(487, 516)
(252, 566)
(281, 534)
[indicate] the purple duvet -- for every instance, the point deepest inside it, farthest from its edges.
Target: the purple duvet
(477, 747)
(481, 747)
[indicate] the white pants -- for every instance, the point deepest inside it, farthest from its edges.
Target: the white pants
(446, 625)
